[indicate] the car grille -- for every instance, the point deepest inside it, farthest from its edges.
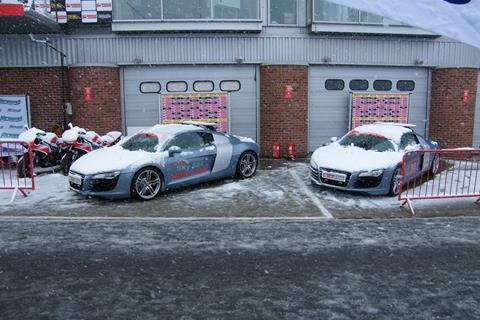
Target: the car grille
(334, 182)
(314, 173)
(368, 182)
(75, 185)
(104, 184)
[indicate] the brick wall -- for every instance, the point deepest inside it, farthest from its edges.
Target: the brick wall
(103, 112)
(451, 119)
(284, 120)
(43, 85)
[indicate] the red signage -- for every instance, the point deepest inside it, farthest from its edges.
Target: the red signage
(87, 94)
(288, 92)
(466, 96)
(11, 10)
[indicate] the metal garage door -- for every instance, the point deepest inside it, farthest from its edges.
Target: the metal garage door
(142, 109)
(476, 129)
(329, 109)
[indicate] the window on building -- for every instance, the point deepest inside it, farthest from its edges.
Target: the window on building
(203, 86)
(236, 9)
(334, 84)
(283, 12)
(359, 85)
(230, 85)
(325, 11)
(137, 9)
(187, 9)
(405, 85)
(150, 87)
(382, 85)
(177, 86)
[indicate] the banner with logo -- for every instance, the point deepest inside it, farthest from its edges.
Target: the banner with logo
(457, 19)
(202, 107)
(368, 108)
(14, 115)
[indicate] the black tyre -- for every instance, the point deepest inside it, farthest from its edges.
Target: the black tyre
(147, 183)
(23, 168)
(395, 183)
(247, 165)
(434, 169)
(66, 163)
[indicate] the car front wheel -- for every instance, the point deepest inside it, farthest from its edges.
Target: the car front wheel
(247, 165)
(395, 183)
(146, 184)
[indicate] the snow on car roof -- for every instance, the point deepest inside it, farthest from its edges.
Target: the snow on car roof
(389, 131)
(172, 128)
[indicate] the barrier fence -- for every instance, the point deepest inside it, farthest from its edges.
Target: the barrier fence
(439, 174)
(16, 167)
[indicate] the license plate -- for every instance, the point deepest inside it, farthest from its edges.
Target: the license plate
(75, 180)
(334, 176)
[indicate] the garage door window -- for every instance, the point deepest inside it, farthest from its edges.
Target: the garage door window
(150, 87)
(405, 85)
(177, 86)
(203, 86)
(382, 85)
(230, 85)
(335, 84)
(283, 12)
(359, 85)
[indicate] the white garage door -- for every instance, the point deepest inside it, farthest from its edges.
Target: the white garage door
(329, 108)
(142, 109)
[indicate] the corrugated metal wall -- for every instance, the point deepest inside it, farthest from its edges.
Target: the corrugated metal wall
(20, 51)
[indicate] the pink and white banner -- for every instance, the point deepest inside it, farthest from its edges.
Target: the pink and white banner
(202, 107)
(457, 19)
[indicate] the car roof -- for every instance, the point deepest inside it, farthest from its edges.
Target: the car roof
(390, 131)
(172, 128)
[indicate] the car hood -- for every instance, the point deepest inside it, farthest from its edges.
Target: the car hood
(352, 159)
(114, 159)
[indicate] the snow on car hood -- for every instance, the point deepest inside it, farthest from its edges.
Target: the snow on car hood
(353, 159)
(113, 159)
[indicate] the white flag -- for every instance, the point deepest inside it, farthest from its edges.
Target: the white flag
(457, 19)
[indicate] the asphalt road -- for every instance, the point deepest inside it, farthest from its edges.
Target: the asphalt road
(218, 269)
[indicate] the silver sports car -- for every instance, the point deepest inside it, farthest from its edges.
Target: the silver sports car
(163, 157)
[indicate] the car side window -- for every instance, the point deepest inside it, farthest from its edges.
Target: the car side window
(408, 139)
(207, 137)
(187, 140)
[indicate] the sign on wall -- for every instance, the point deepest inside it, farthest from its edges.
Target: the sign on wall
(368, 108)
(203, 107)
(14, 115)
(81, 11)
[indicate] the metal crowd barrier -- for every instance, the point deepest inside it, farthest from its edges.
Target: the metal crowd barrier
(457, 175)
(16, 174)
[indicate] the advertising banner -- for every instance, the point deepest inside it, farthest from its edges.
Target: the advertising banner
(203, 107)
(14, 115)
(368, 108)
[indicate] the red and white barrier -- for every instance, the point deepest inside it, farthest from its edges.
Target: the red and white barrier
(456, 175)
(16, 174)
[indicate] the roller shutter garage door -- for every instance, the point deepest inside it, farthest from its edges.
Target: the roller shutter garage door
(142, 110)
(329, 109)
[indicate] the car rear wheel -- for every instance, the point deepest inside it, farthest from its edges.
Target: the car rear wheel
(147, 184)
(247, 165)
(395, 183)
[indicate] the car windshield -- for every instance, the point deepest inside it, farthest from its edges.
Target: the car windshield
(367, 141)
(142, 141)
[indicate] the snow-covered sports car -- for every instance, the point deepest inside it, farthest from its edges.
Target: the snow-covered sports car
(368, 159)
(163, 157)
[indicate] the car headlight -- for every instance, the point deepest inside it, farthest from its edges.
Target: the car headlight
(107, 175)
(373, 173)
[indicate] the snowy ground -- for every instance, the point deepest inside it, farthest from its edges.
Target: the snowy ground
(281, 191)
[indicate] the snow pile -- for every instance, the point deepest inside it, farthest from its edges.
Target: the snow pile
(391, 132)
(244, 139)
(71, 135)
(353, 159)
(30, 135)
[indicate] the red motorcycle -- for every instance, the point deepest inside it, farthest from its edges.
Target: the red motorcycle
(47, 150)
(81, 142)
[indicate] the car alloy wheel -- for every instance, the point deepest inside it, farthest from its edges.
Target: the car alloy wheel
(395, 185)
(147, 184)
(247, 165)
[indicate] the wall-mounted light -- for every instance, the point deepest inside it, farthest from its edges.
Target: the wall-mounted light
(137, 60)
(327, 59)
(418, 61)
(239, 59)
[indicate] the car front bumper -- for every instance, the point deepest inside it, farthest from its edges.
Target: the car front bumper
(354, 183)
(119, 188)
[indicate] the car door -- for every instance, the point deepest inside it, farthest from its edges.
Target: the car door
(193, 162)
(413, 160)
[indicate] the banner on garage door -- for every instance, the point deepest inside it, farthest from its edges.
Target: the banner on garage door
(369, 108)
(203, 107)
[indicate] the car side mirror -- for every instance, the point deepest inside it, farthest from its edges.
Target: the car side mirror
(333, 139)
(412, 147)
(173, 150)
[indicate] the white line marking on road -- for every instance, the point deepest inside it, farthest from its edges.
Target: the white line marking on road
(153, 219)
(310, 194)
